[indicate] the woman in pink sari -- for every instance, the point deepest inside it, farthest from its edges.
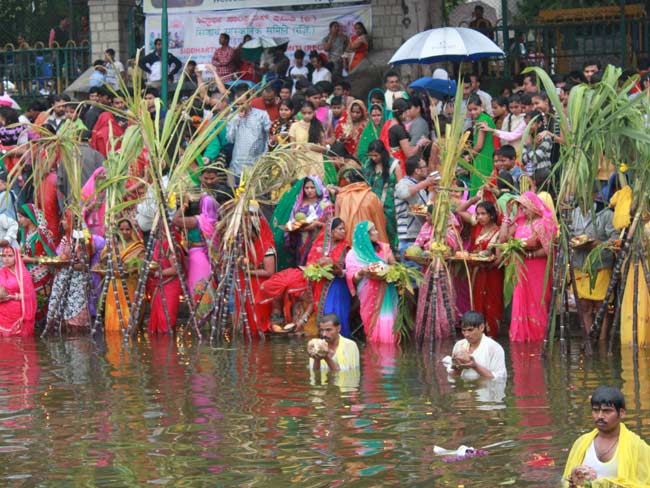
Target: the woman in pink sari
(17, 296)
(94, 206)
(377, 298)
(534, 224)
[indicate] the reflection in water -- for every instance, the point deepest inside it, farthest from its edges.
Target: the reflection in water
(174, 413)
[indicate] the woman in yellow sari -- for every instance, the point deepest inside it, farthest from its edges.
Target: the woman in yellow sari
(130, 247)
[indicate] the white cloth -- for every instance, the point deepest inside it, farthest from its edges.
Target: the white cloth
(440, 74)
(322, 74)
(147, 209)
(489, 354)
(8, 230)
(391, 96)
(112, 70)
(486, 101)
(603, 470)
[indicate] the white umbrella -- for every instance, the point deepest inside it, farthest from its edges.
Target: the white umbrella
(446, 44)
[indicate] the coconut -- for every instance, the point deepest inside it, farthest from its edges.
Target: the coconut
(414, 251)
(299, 217)
(317, 347)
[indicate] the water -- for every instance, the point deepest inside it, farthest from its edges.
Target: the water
(74, 412)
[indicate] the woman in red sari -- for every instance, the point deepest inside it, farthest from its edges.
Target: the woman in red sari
(165, 290)
(108, 129)
(36, 241)
(261, 259)
(350, 127)
(17, 296)
(332, 296)
(487, 278)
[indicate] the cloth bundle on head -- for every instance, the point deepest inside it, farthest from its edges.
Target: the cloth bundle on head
(362, 244)
(544, 226)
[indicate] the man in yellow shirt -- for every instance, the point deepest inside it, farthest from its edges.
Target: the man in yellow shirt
(342, 354)
(610, 455)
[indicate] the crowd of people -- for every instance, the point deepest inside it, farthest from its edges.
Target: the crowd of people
(362, 199)
(366, 185)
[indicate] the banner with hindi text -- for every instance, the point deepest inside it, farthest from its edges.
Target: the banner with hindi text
(186, 6)
(196, 35)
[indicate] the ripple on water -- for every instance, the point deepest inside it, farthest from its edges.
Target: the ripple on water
(166, 413)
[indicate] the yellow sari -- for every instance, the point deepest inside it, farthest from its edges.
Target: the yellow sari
(633, 456)
(111, 315)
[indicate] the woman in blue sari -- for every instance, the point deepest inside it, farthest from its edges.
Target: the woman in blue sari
(332, 296)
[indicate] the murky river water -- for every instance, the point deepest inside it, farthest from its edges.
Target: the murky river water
(76, 412)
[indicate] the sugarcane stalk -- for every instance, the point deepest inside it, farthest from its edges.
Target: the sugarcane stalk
(619, 305)
(138, 293)
(550, 327)
(101, 302)
(616, 275)
(635, 308)
(434, 309)
(427, 305)
(574, 288)
(444, 288)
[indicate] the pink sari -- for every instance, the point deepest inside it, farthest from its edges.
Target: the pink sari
(17, 316)
(93, 213)
(377, 298)
(530, 300)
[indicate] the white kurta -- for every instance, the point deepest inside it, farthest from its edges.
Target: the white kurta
(488, 354)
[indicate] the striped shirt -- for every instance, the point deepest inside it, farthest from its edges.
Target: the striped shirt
(408, 225)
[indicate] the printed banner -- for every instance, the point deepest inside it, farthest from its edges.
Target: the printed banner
(197, 35)
(185, 6)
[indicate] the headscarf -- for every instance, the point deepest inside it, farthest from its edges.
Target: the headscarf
(34, 215)
(370, 132)
(362, 245)
(320, 192)
(544, 225)
(89, 197)
(27, 293)
(208, 217)
(263, 241)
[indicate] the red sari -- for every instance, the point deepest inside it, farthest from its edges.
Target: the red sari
(169, 286)
(105, 126)
(17, 316)
(487, 284)
(349, 133)
(322, 248)
(258, 314)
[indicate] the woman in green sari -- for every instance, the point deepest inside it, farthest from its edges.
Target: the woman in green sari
(482, 143)
(376, 119)
(382, 174)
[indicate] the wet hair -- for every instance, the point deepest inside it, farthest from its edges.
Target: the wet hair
(474, 99)
(378, 147)
(507, 151)
(330, 317)
(472, 319)
(609, 396)
(490, 209)
(315, 127)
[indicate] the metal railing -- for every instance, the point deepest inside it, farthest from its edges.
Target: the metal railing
(564, 46)
(39, 70)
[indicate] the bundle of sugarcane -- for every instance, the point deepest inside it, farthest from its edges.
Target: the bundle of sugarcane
(450, 148)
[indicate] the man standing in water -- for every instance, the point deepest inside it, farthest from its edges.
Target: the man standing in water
(342, 353)
(610, 454)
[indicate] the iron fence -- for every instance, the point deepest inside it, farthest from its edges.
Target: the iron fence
(40, 70)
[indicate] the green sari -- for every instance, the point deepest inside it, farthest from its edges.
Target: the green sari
(385, 191)
(483, 160)
(371, 132)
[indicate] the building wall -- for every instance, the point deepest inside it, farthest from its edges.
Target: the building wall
(109, 26)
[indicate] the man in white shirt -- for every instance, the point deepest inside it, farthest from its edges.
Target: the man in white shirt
(477, 355)
(611, 454)
(393, 91)
(114, 69)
